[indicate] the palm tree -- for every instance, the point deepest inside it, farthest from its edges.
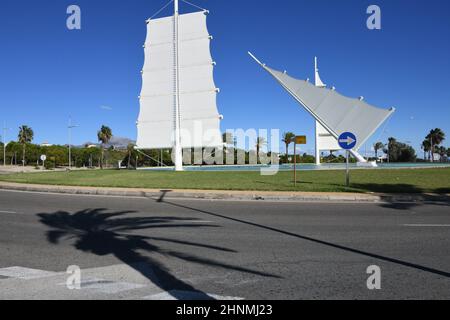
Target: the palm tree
(228, 139)
(378, 146)
(442, 152)
(426, 147)
(288, 138)
(260, 142)
(391, 148)
(104, 135)
(436, 136)
(130, 150)
(25, 136)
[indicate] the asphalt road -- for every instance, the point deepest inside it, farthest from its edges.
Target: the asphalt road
(139, 248)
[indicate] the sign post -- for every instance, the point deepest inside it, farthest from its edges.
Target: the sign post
(43, 158)
(297, 140)
(347, 141)
(295, 164)
(347, 170)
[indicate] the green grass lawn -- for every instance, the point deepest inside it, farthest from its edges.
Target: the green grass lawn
(392, 181)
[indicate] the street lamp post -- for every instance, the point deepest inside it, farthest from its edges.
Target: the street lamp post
(70, 127)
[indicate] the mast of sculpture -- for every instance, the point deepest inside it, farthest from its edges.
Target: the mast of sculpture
(178, 107)
(317, 80)
(318, 83)
(324, 140)
(177, 147)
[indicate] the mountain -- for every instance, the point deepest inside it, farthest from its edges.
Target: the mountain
(116, 142)
(120, 142)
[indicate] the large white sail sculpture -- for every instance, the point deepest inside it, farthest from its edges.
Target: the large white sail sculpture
(333, 111)
(178, 98)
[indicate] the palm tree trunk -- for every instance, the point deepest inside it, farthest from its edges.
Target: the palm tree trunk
(129, 159)
(432, 153)
(101, 160)
(23, 155)
(257, 154)
(287, 151)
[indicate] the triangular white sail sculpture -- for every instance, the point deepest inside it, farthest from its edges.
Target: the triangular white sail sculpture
(335, 112)
(178, 97)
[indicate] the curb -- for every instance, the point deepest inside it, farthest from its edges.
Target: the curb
(230, 195)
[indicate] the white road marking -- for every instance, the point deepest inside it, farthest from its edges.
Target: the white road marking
(107, 286)
(1, 211)
(187, 295)
(116, 287)
(38, 279)
(25, 273)
(426, 225)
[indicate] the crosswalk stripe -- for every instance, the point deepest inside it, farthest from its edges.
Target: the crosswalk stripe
(187, 295)
(25, 273)
(107, 286)
(94, 283)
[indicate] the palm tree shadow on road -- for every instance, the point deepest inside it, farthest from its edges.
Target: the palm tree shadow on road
(101, 233)
(314, 240)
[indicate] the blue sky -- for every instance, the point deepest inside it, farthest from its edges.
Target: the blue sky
(48, 73)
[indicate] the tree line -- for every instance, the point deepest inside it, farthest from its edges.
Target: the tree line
(401, 152)
(24, 152)
(395, 151)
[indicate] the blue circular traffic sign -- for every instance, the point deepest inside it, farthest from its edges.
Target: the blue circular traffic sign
(347, 140)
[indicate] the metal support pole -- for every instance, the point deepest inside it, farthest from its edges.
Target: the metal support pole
(70, 127)
(347, 174)
(295, 164)
(317, 146)
(70, 141)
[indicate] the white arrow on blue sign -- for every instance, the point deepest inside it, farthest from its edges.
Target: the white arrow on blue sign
(347, 140)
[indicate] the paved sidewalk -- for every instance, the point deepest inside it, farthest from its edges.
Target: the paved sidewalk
(228, 195)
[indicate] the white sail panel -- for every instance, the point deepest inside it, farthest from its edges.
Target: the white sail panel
(155, 135)
(197, 78)
(155, 127)
(201, 116)
(195, 52)
(197, 90)
(160, 31)
(335, 112)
